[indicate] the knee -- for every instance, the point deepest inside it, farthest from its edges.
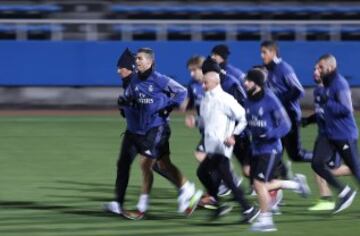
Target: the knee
(146, 164)
(317, 164)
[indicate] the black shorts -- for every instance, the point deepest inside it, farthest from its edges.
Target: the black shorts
(242, 149)
(262, 167)
(323, 148)
(155, 143)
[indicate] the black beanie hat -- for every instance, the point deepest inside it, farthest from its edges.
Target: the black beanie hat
(126, 60)
(222, 50)
(210, 65)
(257, 76)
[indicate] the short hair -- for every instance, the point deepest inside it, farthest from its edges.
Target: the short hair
(196, 60)
(329, 59)
(272, 45)
(147, 51)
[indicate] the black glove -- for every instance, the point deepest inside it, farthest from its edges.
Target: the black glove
(304, 121)
(124, 101)
(165, 112)
(122, 113)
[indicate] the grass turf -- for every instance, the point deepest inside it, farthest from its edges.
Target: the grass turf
(56, 172)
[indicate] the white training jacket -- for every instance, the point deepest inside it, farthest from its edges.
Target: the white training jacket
(219, 111)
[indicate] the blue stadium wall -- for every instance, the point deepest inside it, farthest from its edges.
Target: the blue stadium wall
(45, 63)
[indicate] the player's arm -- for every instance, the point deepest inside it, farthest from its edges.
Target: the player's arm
(238, 93)
(281, 122)
(177, 91)
(188, 100)
(341, 105)
(236, 112)
(311, 119)
(296, 90)
(177, 94)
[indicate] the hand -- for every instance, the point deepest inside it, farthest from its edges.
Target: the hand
(122, 113)
(230, 141)
(304, 121)
(165, 112)
(190, 121)
(124, 101)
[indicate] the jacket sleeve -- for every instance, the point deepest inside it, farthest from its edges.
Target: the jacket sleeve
(236, 112)
(296, 90)
(341, 105)
(238, 93)
(281, 122)
(177, 93)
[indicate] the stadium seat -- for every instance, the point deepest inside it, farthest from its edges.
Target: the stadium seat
(238, 9)
(30, 8)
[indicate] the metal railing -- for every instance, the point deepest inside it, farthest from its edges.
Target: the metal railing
(265, 26)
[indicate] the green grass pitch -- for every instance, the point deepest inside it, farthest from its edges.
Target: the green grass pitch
(57, 171)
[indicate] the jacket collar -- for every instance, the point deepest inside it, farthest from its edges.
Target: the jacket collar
(271, 66)
(215, 91)
(146, 74)
(329, 78)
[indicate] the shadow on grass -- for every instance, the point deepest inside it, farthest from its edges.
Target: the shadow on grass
(31, 205)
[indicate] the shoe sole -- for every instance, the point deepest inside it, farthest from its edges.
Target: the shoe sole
(264, 230)
(227, 193)
(209, 207)
(254, 217)
(226, 211)
(132, 218)
(108, 210)
(194, 202)
(315, 208)
(346, 204)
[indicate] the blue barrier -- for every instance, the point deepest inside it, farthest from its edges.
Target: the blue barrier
(238, 9)
(36, 63)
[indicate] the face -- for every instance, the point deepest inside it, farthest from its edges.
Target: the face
(249, 85)
(267, 55)
(195, 73)
(316, 74)
(143, 61)
(123, 72)
(217, 58)
(209, 82)
(324, 69)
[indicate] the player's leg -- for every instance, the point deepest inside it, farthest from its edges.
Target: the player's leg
(349, 153)
(323, 152)
(242, 152)
(292, 143)
(325, 202)
(204, 172)
(264, 167)
(188, 197)
(223, 167)
(127, 154)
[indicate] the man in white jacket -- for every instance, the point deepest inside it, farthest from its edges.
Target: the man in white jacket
(221, 117)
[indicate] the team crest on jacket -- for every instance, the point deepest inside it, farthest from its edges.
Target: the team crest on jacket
(261, 111)
(151, 88)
